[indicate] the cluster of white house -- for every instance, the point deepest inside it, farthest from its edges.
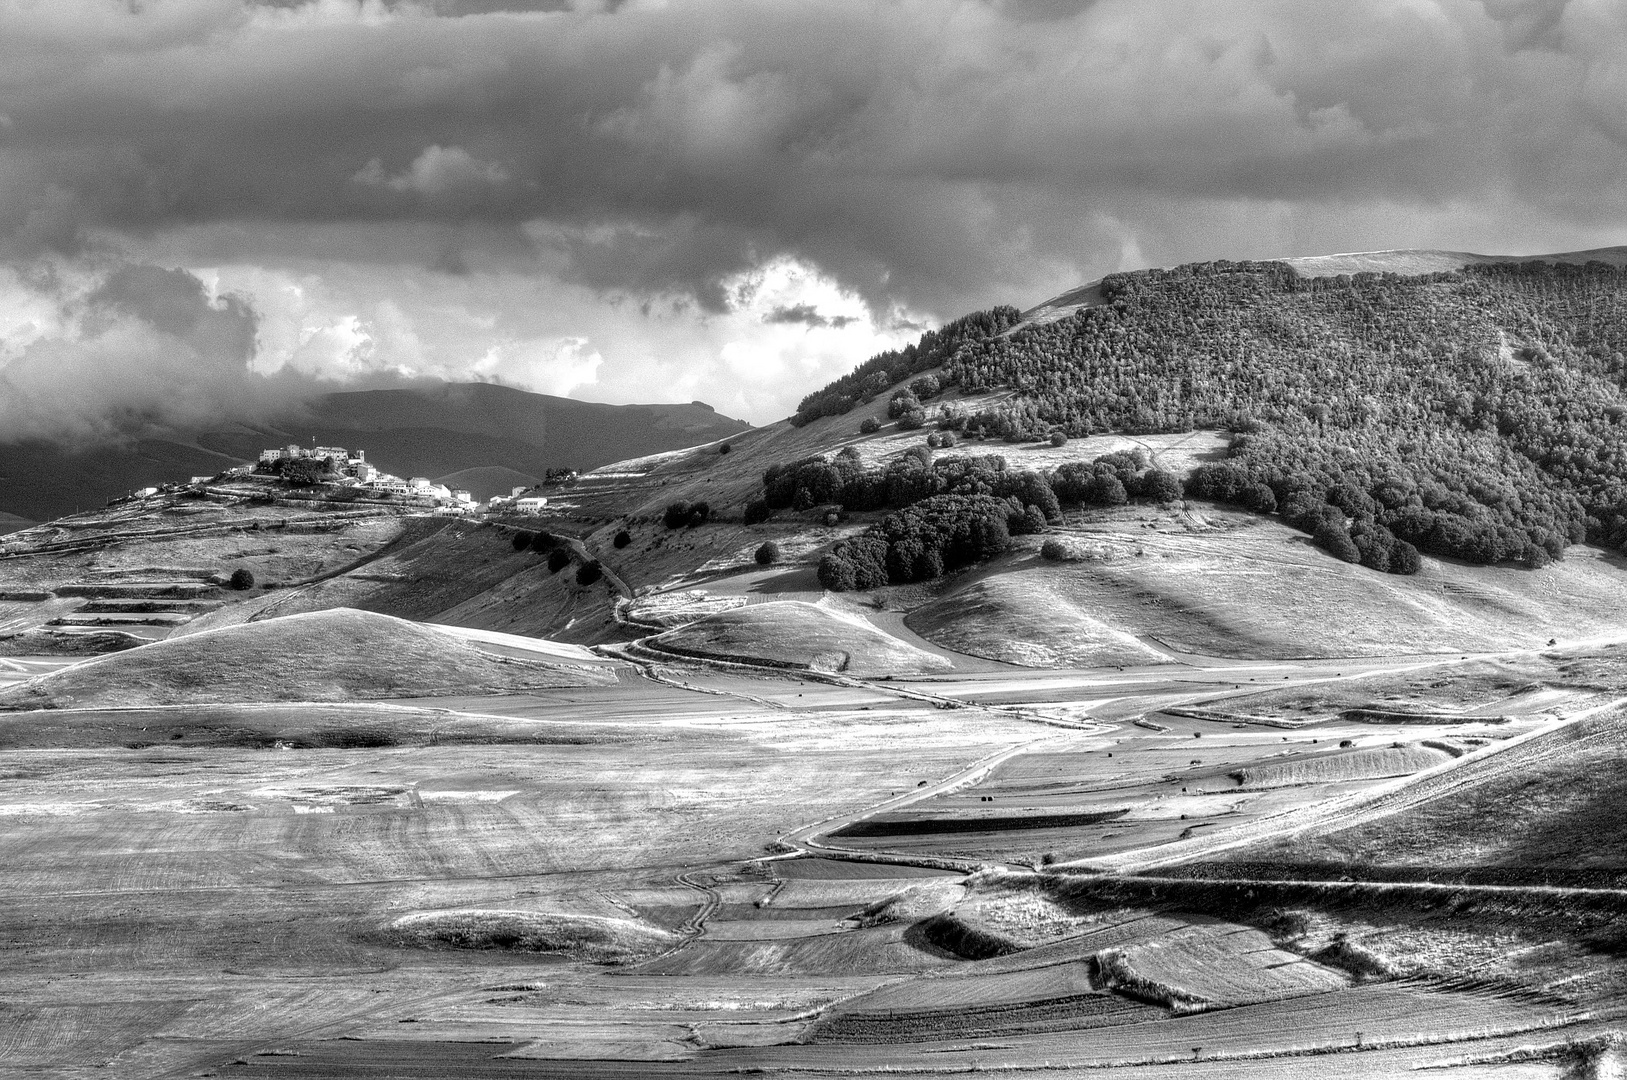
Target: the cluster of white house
(354, 471)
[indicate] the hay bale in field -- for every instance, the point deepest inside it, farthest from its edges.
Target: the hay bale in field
(335, 655)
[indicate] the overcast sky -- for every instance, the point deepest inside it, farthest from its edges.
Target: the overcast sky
(209, 206)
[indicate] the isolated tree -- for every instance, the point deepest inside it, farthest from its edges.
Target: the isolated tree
(1335, 540)
(623, 538)
(724, 449)
(1403, 558)
(869, 426)
(544, 541)
(768, 554)
(242, 578)
(676, 515)
(589, 572)
(1059, 437)
(1161, 485)
(558, 559)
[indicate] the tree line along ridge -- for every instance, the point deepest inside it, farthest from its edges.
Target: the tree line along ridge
(1472, 414)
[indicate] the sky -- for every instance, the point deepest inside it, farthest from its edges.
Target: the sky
(211, 208)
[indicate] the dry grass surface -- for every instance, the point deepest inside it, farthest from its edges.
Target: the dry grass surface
(340, 655)
(793, 634)
(1552, 813)
(1401, 759)
(1253, 588)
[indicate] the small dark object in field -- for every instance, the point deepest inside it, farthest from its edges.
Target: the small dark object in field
(768, 554)
(242, 578)
(558, 559)
(589, 572)
(724, 449)
(622, 539)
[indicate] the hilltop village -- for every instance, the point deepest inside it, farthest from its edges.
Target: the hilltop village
(338, 469)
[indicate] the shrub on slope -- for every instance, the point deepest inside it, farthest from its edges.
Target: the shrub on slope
(335, 655)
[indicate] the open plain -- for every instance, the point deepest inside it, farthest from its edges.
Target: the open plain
(703, 868)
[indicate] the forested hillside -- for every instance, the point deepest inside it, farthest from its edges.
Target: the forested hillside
(1477, 414)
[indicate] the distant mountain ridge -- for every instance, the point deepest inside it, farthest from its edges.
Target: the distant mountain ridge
(434, 432)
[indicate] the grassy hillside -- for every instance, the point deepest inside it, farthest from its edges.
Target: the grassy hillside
(1250, 587)
(335, 655)
(1552, 814)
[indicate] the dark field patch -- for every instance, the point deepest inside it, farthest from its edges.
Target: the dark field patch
(873, 827)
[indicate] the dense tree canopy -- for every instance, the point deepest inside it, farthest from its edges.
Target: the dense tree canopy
(1474, 414)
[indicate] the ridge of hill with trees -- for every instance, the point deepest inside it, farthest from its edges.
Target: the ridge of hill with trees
(1474, 414)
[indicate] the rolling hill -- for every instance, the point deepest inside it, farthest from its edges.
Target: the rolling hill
(435, 431)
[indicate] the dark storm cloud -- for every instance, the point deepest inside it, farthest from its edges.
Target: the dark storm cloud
(143, 346)
(934, 155)
(806, 315)
(906, 146)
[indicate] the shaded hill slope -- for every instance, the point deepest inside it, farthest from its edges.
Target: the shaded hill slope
(334, 655)
(456, 572)
(1545, 813)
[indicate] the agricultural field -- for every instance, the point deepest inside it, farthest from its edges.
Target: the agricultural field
(1198, 801)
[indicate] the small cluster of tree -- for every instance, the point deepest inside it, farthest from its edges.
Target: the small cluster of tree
(1113, 480)
(680, 515)
(938, 534)
(558, 559)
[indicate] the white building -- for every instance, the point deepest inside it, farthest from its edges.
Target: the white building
(530, 504)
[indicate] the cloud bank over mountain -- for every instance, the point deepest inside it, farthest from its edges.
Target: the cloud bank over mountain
(713, 200)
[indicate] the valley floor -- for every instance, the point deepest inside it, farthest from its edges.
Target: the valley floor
(988, 869)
